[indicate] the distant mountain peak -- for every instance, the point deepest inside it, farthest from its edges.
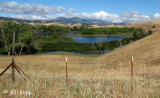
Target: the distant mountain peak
(73, 20)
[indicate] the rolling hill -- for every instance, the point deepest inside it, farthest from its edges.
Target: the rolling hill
(146, 25)
(108, 73)
(63, 20)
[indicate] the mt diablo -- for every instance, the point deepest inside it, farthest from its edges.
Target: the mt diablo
(64, 20)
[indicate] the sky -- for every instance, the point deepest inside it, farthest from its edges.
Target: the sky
(114, 11)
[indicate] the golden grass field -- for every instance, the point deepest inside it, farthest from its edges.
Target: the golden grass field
(104, 76)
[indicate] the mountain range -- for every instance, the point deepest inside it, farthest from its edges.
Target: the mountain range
(64, 20)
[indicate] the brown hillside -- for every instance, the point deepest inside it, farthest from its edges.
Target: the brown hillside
(146, 25)
(145, 51)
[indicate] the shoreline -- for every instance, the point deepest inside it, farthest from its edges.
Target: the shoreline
(101, 35)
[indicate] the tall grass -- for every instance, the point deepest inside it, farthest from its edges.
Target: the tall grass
(144, 86)
(29, 88)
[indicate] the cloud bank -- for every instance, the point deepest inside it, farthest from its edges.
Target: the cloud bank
(14, 7)
(41, 12)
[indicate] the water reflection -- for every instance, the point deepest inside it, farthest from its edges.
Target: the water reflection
(91, 40)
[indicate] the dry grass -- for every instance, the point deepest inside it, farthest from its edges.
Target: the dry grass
(146, 25)
(58, 24)
(105, 76)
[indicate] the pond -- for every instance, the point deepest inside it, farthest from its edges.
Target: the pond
(95, 39)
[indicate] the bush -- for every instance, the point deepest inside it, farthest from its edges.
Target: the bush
(149, 32)
(138, 35)
(112, 44)
(126, 40)
(153, 27)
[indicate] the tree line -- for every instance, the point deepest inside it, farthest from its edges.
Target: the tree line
(28, 37)
(112, 31)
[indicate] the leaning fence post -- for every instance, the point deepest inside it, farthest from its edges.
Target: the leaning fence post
(13, 65)
(132, 66)
(66, 72)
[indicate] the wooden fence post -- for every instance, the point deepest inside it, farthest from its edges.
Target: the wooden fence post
(132, 76)
(66, 72)
(132, 66)
(13, 72)
(13, 53)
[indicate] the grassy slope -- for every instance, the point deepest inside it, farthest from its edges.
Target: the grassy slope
(142, 50)
(111, 65)
(146, 25)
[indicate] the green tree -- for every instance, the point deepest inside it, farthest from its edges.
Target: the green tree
(75, 28)
(138, 34)
(126, 41)
(82, 28)
(26, 39)
(101, 45)
(7, 29)
(93, 47)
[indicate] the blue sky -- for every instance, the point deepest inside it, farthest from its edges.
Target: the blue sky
(132, 11)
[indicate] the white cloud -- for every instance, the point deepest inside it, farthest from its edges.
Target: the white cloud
(133, 17)
(14, 7)
(31, 17)
(101, 15)
(155, 16)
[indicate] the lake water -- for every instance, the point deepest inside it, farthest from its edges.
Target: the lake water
(92, 40)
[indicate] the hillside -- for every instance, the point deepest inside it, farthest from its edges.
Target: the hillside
(104, 75)
(145, 51)
(146, 25)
